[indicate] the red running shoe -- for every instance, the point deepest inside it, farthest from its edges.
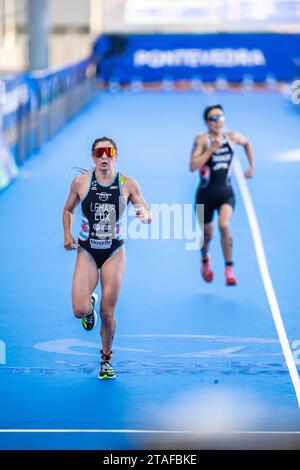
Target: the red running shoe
(206, 271)
(229, 276)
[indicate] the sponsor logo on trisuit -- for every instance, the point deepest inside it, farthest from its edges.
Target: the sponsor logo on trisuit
(100, 244)
(103, 196)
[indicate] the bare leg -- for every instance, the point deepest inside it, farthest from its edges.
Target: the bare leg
(112, 273)
(208, 231)
(85, 281)
(225, 214)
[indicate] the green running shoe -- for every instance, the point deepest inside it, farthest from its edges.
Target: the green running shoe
(106, 371)
(90, 321)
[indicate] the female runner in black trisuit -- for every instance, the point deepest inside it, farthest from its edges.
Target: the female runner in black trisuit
(104, 194)
(212, 157)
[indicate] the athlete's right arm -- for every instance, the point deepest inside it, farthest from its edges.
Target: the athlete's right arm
(201, 153)
(68, 215)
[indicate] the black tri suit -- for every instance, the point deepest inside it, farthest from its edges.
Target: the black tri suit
(101, 228)
(215, 187)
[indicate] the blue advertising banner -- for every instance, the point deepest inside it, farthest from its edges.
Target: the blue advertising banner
(207, 56)
(15, 107)
(8, 167)
(35, 105)
(16, 94)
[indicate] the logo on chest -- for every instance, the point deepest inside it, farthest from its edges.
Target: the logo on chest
(94, 186)
(103, 197)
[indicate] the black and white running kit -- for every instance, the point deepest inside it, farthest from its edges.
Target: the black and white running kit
(215, 188)
(101, 229)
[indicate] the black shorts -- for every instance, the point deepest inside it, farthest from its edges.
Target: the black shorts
(213, 199)
(101, 255)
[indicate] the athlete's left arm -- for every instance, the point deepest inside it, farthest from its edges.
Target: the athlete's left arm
(239, 139)
(136, 198)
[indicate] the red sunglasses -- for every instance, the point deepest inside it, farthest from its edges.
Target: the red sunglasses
(109, 151)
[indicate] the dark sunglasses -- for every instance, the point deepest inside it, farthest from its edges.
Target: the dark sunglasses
(216, 118)
(109, 151)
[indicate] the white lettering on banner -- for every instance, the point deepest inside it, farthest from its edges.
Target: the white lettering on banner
(193, 58)
(12, 99)
(11, 102)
